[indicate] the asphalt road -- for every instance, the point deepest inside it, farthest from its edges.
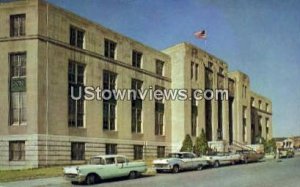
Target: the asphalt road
(271, 173)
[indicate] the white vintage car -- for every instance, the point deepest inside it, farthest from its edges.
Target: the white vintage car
(104, 167)
(179, 161)
(223, 158)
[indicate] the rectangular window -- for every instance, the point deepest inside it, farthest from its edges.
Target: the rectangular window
(267, 107)
(259, 104)
(136, 107)
(159, 114)
(136, 59)
(109, 105)
(138, 152)
(109, 48)
(76, 83)
(17, 25)
(196, 71)
(194, 116)
(161, 152)
(17, 88)
(76, 37)
(192, 70)
(110, 149)
(159, 67)
(16, 150)
(77, 150)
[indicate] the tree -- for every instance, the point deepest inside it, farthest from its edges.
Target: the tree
(269, 145)
(187, 144)
(201, 145)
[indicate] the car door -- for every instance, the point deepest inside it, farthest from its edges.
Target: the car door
(187, 161)
(110, 170)
(122, 166)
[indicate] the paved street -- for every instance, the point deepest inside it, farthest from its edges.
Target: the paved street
(268, 173)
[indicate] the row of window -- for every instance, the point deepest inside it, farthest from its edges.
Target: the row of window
(260, 105)
(77, 35)
(17, 151)
(110, 47)
(76, 108)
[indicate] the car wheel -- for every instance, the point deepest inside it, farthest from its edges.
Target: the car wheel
(158, 171)
(175, 169)
(91, 179)
(216, 164)
(200, 167)
(133, 175)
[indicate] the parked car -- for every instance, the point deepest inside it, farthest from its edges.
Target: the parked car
(249, 156)
(286, 153)
(220, 158)
(104, 167)
(178, 161)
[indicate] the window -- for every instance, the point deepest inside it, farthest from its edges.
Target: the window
(17, 25)
(267, 107)
(194, 112)
(121, 160)
(259, 104)
(136, 59)
(196, 71)
(210, 65)
(16, 150)
(192, 70)
(109, 48)
(77, 150)
(161, 152)
(159, 67)
(138, 152)
(252, 102)
(76, 37)
(221, 70)
(17, 88)
(110, 160)
(136, 107)
(109, 105)
(110, 149)
(76, 83)
(159, 114)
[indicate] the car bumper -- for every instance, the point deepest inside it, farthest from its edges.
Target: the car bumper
(166, 167)
(74, 178)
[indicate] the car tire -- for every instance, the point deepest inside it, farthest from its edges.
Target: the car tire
(175, 169)
(158, 171)
(200, 167)
(133, 175)
(216, 164)
(91, 179)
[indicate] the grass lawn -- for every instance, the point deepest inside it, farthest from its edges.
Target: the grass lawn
(13, 175)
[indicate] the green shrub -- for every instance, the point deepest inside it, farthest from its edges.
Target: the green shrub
(187, 144)
(201, 145)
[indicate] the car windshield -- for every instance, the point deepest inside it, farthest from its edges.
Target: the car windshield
(97, 161)
(175, 155)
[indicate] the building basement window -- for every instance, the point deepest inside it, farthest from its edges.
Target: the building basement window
(16, 150)
(110, 149)
(138, 152)
(77, 150)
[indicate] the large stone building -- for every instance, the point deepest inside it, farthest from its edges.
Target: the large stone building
(45, 50)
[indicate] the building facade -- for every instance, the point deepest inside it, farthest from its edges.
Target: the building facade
(46, 51)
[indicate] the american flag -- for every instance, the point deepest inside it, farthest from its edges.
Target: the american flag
(200, 34)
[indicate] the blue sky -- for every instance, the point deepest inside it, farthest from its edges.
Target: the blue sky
(260, 38)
